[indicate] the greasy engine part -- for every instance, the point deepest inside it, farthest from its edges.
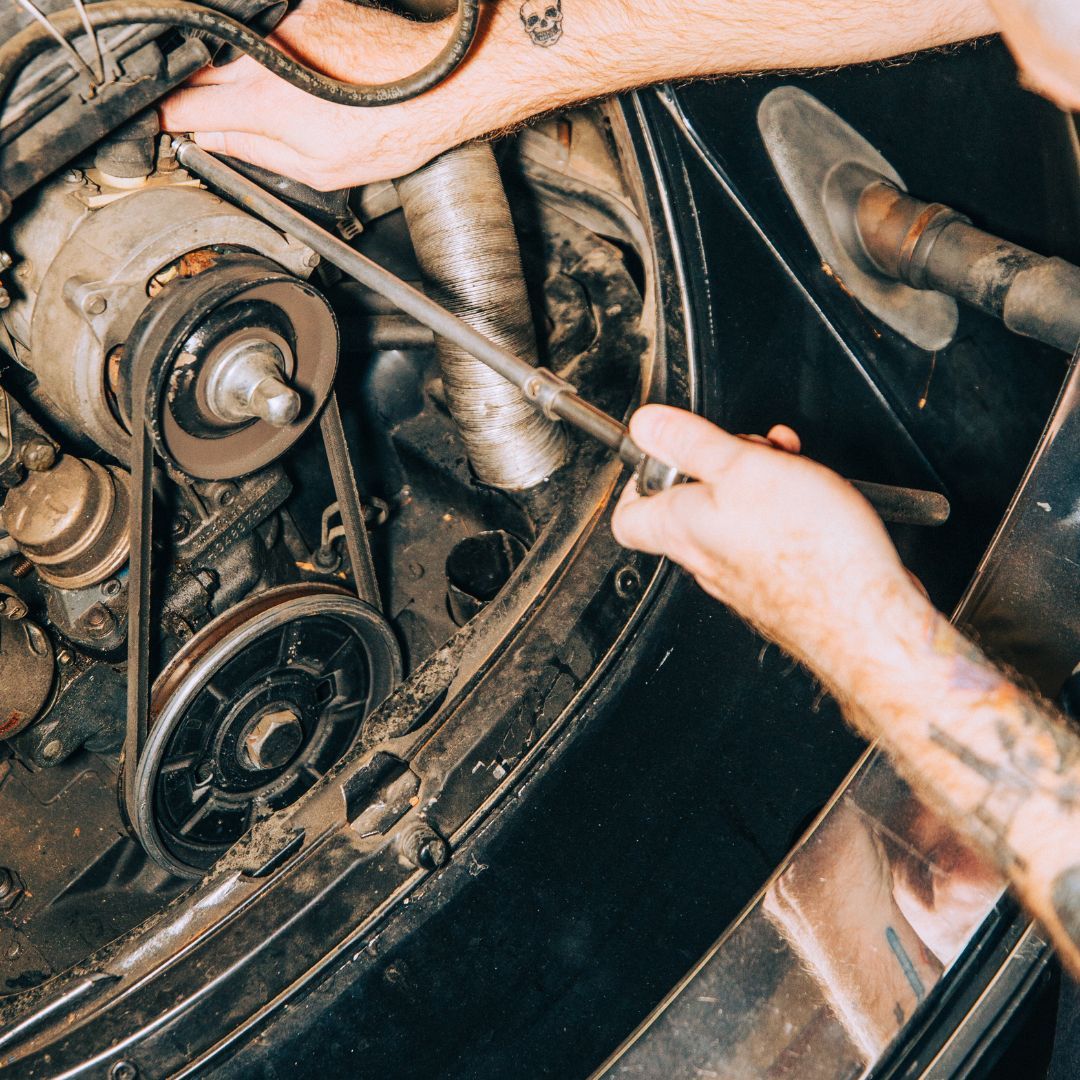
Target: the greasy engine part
(71, 521)
(549, 394)
(89, 256)
(251, 712)
(907, 260)
(27, 667)
(244, 359)
(931, 246)
(460, 225)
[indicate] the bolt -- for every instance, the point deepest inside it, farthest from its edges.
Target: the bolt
(273, 741)
(5, 260)
(424, 848)
(98, 620)
(73, 176)
(181, 525)
(5, 298)
(95, 304)
(22, 568)
(275, 402)
(204, 773)
(52, 749)
(627, 583)
(111, 588)
(123, 1070)
(312, 260)
(64, 657)
(248, 383)
(38, 455)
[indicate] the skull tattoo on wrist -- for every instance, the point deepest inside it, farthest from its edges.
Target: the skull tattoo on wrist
(543, 21)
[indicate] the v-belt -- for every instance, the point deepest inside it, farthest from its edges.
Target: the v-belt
(149, 371)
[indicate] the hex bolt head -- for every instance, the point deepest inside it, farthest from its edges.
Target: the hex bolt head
(424, 847)
(273, 741)
(38, 455)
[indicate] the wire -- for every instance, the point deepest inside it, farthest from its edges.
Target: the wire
(91, 35)
(78, 63)
(30, 42)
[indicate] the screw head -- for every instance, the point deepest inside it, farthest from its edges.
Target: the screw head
(52, 749)
(123, 1070)
(95, 304)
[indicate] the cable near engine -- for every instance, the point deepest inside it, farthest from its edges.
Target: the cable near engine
(35, 39)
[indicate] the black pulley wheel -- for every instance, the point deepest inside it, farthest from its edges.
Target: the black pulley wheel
(256, 708)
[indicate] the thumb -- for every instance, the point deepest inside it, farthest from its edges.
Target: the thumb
(691, 443)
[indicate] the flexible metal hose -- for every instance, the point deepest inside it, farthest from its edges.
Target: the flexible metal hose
(464, 238)
(35, 39)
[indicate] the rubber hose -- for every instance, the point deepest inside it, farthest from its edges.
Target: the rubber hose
(463, 234)
(35, 39)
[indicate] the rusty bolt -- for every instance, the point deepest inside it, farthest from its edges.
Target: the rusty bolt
(38, 455)
(98, 620)
(22, 568)
(424, 847)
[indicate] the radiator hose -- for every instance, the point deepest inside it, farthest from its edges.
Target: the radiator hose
(464, 238)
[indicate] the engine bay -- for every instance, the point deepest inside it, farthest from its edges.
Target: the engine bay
(334, 492)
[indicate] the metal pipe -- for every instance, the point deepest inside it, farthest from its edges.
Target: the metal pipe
(930, 246)
(464, 238)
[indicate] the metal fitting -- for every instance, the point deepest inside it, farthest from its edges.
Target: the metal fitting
(273, 741)
(249, 383)
(423, 847)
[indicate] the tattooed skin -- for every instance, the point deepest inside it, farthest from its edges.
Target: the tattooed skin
(1019, 792)
(543, 21)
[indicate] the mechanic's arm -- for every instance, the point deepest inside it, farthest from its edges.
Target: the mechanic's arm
(603, 46)
(794, 549)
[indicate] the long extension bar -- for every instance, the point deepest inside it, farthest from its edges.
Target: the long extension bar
(553, 396)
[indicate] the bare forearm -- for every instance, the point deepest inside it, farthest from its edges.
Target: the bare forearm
(610, 45)
(999, 765)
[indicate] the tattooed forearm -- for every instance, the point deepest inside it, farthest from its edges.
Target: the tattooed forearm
(543, 21)
(999, 763)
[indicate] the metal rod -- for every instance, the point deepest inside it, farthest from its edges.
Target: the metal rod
(544, 390)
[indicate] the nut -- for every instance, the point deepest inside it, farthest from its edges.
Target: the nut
(273, 741)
